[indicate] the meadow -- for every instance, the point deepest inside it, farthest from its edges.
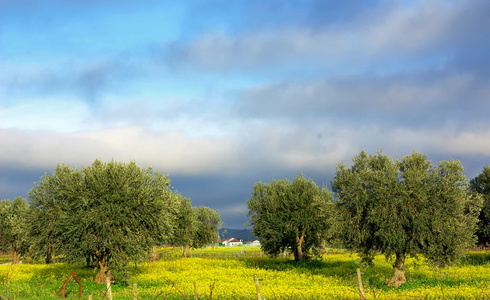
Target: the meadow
(228, 273)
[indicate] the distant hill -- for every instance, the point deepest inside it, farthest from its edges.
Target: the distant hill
(240, 234)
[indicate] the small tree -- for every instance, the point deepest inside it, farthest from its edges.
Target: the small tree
(481, 185)
(196, 227)
(185, 226)
(13, 227)
(208, 222)
(289, 215)
(403, 208)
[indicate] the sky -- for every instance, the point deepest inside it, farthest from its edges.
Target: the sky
(221, 94)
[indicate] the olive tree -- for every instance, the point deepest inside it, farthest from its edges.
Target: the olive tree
(112, 212)
(185, 226)
(289, 215)
(49, 220)
(404, 207)
(208, 222)
(481, 186)
(196, 227)
(13, 227)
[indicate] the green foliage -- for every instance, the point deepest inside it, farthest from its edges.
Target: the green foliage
(208, 222)
(196, 227)
(13, 225)
(185, 224)
(287, 215)
(49, 220)
(405, 207)
(112, 211)
(481, 186)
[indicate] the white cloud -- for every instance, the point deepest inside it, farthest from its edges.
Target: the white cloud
(171, 152)
(263, 147)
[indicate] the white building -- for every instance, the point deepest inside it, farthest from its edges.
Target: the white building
(254, 243)
(231, 242)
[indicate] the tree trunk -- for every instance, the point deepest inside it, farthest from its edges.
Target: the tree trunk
(49, 255)
(398, 277)
(88, 260)
(187, 251)
(49, 258)
(15, 257)
(323, 249)
(100, 278)
(153, 254)
(298, 251)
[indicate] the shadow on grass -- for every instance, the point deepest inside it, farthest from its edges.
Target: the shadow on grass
(475, 259)
(331, 265)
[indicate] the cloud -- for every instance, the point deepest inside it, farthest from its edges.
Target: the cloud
(383, 37)
(168, 151)
(87, 80)
(251, 147)
(234, 213)
(402, 100)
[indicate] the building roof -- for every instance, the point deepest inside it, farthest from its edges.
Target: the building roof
(230, 240)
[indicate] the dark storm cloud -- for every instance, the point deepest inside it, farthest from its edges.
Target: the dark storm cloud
(229, 195)
(413, 100)
(15, 181)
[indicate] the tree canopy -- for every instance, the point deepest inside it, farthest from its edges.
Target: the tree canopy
(185, 226)
(481, 185)
(208, 222)
(405, 207)
(289, 215)
(13, 226)
(196, 227)
(111, 212)
(50, 201)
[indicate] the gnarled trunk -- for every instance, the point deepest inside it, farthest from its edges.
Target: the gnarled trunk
(298, 250)
(104, 272)
(15, 257)
(398, 277)
(187, 251)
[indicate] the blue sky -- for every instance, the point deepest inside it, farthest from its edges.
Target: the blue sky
(221, 94)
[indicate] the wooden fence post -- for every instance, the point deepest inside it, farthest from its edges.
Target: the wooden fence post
(135, 291)
(108, 285)
(359, 280)
(63, 287)
(89, 297)
(195, 290)
(257, 287)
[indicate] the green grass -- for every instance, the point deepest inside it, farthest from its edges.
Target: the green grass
(228, 272)
(5, 258)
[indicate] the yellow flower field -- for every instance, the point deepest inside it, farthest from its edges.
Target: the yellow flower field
(228, 273)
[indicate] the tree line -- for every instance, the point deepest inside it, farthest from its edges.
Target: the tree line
(398, 208)
(111, 213)
(107, 213)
